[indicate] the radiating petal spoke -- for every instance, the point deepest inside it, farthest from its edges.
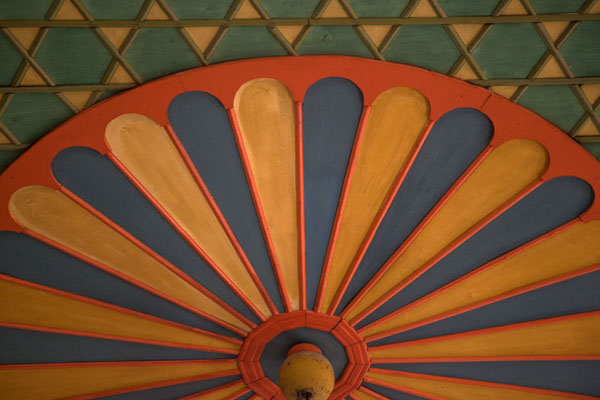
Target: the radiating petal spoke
(53, 215)
(439, 387)
(567, 251)
(35, 307)
(147, 152)
(364, 393)
(264, 120)
(229, 391)
(396, 119)
(569, 337)
(503, 174)
(90, 380)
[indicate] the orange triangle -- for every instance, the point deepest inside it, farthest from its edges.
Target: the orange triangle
(157, 13)
(290, 32)
(3, 139)
(555, 29)
(334, 10)
(592, 92)
(121, 76)
(247, 11)
(595, 9)
(78, 98)
(377, 32)
(551, 70)
(424, 9)
(505, 91)
(68, 12)
(202, 36)
(588, 129)
(32, 78)
(465, 72)
(515, 8)
(25, 36)
(467, 32)
(116, 35)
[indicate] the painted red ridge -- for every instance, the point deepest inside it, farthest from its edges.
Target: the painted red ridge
(304, 347)
(300, 206)
(374, 394)
(212, 390)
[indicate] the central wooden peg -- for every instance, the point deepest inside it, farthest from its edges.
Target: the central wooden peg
(306, 374)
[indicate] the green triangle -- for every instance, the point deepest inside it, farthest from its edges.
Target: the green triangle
(247, 42)
(334, 40)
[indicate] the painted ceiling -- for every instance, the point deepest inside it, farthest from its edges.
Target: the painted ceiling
(60, 57)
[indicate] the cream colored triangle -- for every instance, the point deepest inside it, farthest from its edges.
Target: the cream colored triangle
(551, 70)
(247, 11)
(588, 129)
(78, 98)
(514, 8)
(424, 9)
(32, 78)
(467, 32)
(592, 92)
(116, 35)
(465, 72)
(377, 32)
(121, 76)
(25, 36)
(334, 10)
(68, 12)
(290, 32)
(505, 91)
(157, 13)
(202, 36)
(555, 29)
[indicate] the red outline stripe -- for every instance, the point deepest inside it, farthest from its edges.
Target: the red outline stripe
(475, 272)
(471, 382)
(300, 205)
(166, 215)
(380, 215)
(122, 310)
(447, 250)
(259, 209)
(215, 389)
(419, 360)
(225, 225)
(371, 393)
(341, 205)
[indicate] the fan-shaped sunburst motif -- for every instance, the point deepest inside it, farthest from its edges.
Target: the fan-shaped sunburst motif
(433, 239)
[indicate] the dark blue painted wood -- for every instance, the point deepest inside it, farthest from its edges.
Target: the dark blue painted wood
(391, 393)
(577, 295)
(174, 391)
(203, 127)
(28, 259)
(580, 377)
(92, 177)
(276, 350)
(246, 396)
(331, 113)
(549, 206)
(31, 347)
(455, 140)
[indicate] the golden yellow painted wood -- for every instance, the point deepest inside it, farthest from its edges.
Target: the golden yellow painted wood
(146, 150)
(221, 393)
(53, 215)
(363, 395)
(460, 390)
(26, 305)
(579, 335)
(505, 172)
(265, 112)
(570, 250)
(60, 382)
(397, 117)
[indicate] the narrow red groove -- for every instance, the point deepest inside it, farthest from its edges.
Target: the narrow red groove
(485, 331)
(151, 253)
(133, 281)
(472, 274)
(465, 382)
(300, 205)
(98, 364)
(413, 235)
(370, 393)
(447, 250)
(225, 225)
(128, 389)
(402, 389)
(341, 205)
(190, 241)
(259, 209)
(237, 394)
(212, 390)
(380, 215)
